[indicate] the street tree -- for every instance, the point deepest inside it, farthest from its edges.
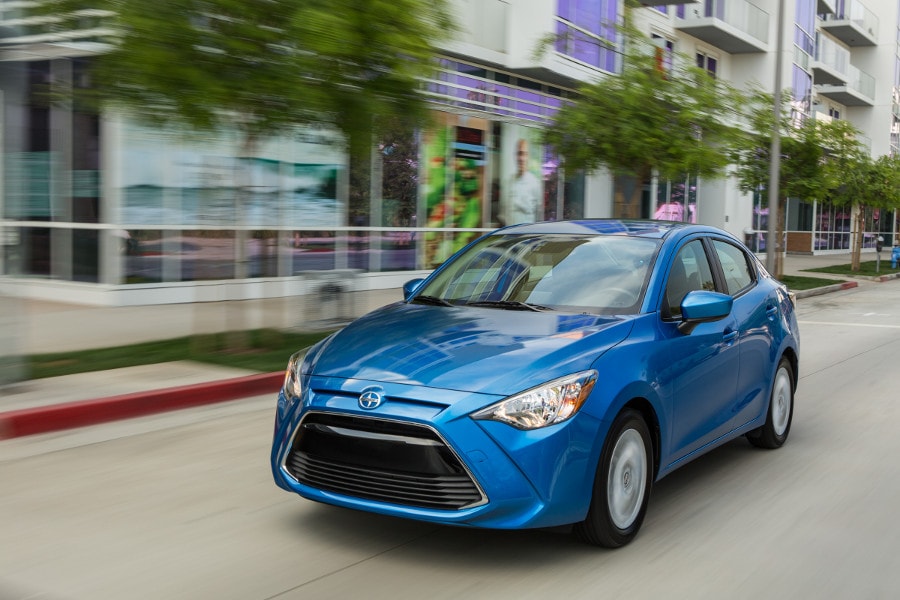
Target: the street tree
(263, 68)
(867, 182)
(652, 119)
(814, 154)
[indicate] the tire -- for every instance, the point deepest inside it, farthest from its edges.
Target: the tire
(780, 412)
(622, 484)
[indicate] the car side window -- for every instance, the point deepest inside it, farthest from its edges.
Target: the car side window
(735, 266)
(689, 271)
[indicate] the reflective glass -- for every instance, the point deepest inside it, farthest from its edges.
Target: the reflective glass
(584, 273)
(143, 254)
(206, 254)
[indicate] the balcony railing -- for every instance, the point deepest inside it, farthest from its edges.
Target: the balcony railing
(832, 61)
(861, 81)
(853, 23)
(858, 90)
(736, 25)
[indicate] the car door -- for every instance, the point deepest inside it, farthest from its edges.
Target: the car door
(754, 312)
(701, 366)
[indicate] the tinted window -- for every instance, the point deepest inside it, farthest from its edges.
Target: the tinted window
(690, 271)
(735, 266)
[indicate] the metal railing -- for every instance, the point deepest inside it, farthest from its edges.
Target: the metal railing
(856, 12)
(832, 55)
(861, 81)
(740, 14)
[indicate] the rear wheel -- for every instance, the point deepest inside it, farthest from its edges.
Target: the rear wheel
(781, 410)
(622, 484)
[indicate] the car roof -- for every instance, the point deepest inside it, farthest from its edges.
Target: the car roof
(629, 227)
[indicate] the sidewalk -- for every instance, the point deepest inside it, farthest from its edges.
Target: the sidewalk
(45, 405)
(54, 404)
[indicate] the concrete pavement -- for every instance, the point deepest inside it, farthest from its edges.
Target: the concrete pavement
(46, 405)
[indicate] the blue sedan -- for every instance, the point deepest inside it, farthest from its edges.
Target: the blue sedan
(546, 374)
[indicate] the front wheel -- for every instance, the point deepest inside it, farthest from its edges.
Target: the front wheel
(622, 484)
(781, 410)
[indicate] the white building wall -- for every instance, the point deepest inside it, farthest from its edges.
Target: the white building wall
(879, 62)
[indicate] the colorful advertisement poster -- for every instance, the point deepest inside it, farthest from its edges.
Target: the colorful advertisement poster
(454, 157)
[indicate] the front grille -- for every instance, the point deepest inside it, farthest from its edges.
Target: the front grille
(380, 460)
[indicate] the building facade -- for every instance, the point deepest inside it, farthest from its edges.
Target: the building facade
(97, 208)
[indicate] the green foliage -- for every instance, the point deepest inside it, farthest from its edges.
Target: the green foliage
(869, 268)
(798, 282)
(874, 183)
(649, 119)
(814, 154)
(266, 65)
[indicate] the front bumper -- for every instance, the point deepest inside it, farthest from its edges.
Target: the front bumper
(420, 455)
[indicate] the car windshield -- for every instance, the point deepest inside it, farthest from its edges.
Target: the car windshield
(603, 274)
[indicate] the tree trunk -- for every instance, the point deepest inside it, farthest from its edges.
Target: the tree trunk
(627, 196)
(856, 236)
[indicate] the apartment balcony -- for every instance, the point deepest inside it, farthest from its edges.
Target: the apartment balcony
(832, 63)
(735, 26)
(24, 37)
(852, 23)
(858, 91)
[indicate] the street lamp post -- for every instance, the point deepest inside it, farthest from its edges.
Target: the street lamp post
(775, 153)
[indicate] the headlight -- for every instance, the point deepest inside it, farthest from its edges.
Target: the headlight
(293, 376)
(548, 404)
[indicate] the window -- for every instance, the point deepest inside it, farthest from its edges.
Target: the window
(707, 63)
(735, 267)
(665, 51)
(801, 102)
(585, 29)
(690, 271)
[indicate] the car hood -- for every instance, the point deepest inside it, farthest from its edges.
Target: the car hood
(468, 349)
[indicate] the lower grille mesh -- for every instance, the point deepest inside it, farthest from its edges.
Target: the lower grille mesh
(380, 460)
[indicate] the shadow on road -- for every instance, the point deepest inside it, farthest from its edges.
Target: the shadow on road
(685, 491)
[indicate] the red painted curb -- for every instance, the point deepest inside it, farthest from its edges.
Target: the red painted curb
(849, 285)
(44, 419)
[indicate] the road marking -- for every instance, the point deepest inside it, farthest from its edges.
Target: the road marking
(876, 325)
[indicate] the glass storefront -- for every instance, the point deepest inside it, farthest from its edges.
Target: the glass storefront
(674, 199)
(819, 226)
(188, 207)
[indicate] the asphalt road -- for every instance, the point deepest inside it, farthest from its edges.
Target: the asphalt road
(182, 505)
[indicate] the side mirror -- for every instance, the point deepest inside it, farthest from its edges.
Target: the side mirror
(411, 287)
(701, 306)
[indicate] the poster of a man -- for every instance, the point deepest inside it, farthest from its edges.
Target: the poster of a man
(524, 190)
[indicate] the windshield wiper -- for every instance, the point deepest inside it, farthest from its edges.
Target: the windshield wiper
(509, 305)
(433, 300)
